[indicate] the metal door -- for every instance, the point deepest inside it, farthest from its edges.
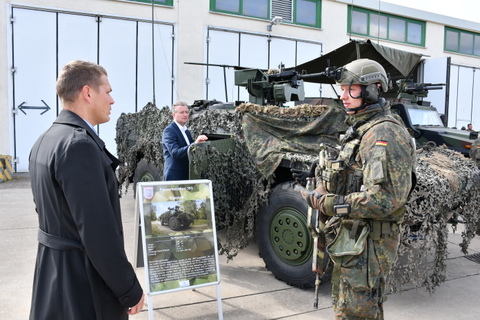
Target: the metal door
(33, 80)
(44, 41)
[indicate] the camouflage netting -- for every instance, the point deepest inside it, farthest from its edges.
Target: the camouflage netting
(238, 187)
(135, 133)
(447, 188)
(242, 178)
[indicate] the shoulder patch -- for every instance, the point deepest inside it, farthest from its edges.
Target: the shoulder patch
(381, 143)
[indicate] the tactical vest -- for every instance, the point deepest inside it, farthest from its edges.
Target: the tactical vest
(343, 175)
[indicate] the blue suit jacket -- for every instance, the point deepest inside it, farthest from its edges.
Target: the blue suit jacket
(175, 153)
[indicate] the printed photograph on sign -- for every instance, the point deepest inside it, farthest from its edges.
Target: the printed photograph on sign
(179, 235)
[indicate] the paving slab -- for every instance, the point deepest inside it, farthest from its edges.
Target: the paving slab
(248, 290)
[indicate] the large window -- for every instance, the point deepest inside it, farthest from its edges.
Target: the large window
(375, 24)
(461, 41)
(300, 12)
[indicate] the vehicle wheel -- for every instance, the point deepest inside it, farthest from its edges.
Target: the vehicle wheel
(174, 224)
(146, 172)
(284, 241)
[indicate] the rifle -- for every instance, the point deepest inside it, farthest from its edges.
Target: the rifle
(316, 221)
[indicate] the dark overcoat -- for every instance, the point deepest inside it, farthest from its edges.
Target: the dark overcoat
(82, 271)
(175, 153)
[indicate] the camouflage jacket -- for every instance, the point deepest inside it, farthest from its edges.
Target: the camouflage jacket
(380, 152)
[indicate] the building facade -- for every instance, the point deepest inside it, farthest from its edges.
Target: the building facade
(185, 50)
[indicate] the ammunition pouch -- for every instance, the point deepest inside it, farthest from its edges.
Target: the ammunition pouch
(335, 176)
(378, 228)
(340, 181)
(348, 242)
(346, 252)
(383, 229)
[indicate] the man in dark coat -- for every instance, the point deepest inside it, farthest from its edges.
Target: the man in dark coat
(82, 271)
(175, 141)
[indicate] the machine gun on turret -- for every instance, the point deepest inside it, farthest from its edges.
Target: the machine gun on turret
(416, 91)
(423, 120)
(275, 87)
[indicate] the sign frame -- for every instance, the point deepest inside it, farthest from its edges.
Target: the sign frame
(185, 257)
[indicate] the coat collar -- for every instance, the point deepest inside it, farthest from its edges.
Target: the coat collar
(72, 119)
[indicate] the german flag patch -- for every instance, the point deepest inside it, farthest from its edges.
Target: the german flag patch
(381, 143)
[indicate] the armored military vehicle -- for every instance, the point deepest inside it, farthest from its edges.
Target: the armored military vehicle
(425, 123)
(252, 147)
(176, 219)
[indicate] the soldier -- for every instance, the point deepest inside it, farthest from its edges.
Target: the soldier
(364, 190)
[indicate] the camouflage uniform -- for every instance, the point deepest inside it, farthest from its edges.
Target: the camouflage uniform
(374, 181)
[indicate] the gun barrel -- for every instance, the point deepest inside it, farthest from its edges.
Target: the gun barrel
(311, 75)
(434, 84)
(424, 86)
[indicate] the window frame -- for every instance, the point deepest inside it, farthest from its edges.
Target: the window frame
(407, 21)
(213, 4)
(168, 3)
(459, 32)
(318, 14)
(318, 3)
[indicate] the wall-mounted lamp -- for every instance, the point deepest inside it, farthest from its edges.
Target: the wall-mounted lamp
(276, 20)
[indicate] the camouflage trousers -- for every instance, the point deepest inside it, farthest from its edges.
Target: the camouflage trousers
(359, 285)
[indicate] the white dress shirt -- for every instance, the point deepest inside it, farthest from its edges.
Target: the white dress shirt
(183, 129)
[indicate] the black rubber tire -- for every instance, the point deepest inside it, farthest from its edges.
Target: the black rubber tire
(283, 239)
(146, 172)
(174, 224)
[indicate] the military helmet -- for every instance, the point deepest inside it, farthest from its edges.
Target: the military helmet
(363, 72)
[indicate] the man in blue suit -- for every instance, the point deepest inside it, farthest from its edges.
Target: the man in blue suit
(175, 141)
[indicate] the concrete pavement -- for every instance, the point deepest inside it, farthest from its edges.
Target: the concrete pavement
(248, 290)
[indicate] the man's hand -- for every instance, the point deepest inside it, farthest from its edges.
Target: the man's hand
(313, 197)
(301, 176)
(201, 138)
(138, 307)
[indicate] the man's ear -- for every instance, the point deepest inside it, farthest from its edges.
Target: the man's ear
(86, 92)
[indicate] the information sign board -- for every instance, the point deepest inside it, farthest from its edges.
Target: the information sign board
(178, 235)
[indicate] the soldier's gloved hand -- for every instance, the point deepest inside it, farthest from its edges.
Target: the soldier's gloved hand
(320, 201)
(314, 198)
(301, 176)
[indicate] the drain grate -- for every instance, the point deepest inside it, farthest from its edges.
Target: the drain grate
(474, 257)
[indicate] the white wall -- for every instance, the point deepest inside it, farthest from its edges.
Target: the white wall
(191, 24)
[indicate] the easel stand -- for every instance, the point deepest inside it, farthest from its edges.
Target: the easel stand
(219, 304)
(176, 218)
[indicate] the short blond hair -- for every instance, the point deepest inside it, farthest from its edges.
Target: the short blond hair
(177, 104)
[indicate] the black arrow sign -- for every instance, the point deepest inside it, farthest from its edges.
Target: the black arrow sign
(46, 108)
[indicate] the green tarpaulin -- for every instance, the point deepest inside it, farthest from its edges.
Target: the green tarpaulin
(397, 63)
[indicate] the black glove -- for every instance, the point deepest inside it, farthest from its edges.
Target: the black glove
(301, 176)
